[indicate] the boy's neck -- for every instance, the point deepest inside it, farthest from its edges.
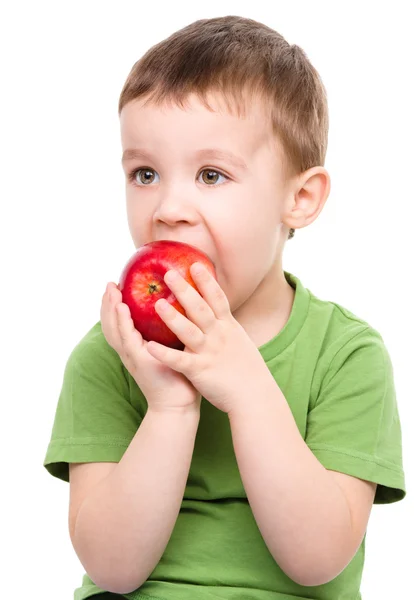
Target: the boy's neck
(268, 310)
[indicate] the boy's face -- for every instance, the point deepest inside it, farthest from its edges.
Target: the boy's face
(230, 210)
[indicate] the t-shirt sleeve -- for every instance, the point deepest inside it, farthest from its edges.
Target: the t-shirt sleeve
(353, 426)
(95, 419)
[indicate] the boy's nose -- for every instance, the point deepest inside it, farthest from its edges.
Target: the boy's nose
(175, 208)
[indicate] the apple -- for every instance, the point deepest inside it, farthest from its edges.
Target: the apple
(142, 284)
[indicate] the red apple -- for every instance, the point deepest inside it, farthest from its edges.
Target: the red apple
(142, 284)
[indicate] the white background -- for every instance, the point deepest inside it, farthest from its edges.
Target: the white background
(64, 232)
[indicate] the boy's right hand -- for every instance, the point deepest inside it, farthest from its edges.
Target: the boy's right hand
(164, 388)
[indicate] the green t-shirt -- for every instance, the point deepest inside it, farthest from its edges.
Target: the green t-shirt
(337, 377)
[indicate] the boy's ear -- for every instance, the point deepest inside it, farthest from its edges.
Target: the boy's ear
(307, 198)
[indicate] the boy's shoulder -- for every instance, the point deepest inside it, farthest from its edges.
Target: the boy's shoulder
(341, 323)
(335, 338)
(93, 351)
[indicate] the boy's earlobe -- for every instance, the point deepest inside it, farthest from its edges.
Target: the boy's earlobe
(296, 219)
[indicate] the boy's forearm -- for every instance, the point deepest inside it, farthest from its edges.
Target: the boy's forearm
(302, 513)
(124, 525)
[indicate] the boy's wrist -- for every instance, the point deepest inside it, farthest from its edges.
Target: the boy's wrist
(189, 411)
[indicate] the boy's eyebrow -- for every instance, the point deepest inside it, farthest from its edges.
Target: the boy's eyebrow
(205, 153)
(215, 153)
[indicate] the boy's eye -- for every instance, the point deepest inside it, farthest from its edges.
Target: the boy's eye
(210, 176)
(146, 176)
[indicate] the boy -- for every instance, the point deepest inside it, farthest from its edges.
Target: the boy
(246, 465)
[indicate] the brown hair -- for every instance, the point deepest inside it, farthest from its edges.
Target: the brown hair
(236, 56)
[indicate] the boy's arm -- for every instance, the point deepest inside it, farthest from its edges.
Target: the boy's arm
(312, 520)
(125, 523)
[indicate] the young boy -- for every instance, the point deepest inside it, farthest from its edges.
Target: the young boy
(246, 465)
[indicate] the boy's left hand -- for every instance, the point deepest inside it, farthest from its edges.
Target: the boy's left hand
(221, 360)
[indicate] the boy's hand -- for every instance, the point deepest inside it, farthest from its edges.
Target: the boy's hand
(219, 357)
(163, 388)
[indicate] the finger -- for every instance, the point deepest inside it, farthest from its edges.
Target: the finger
(186, 331)
(211, 291)
(109, 319)
(197, 309)
(130, 338)
(175, 359)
